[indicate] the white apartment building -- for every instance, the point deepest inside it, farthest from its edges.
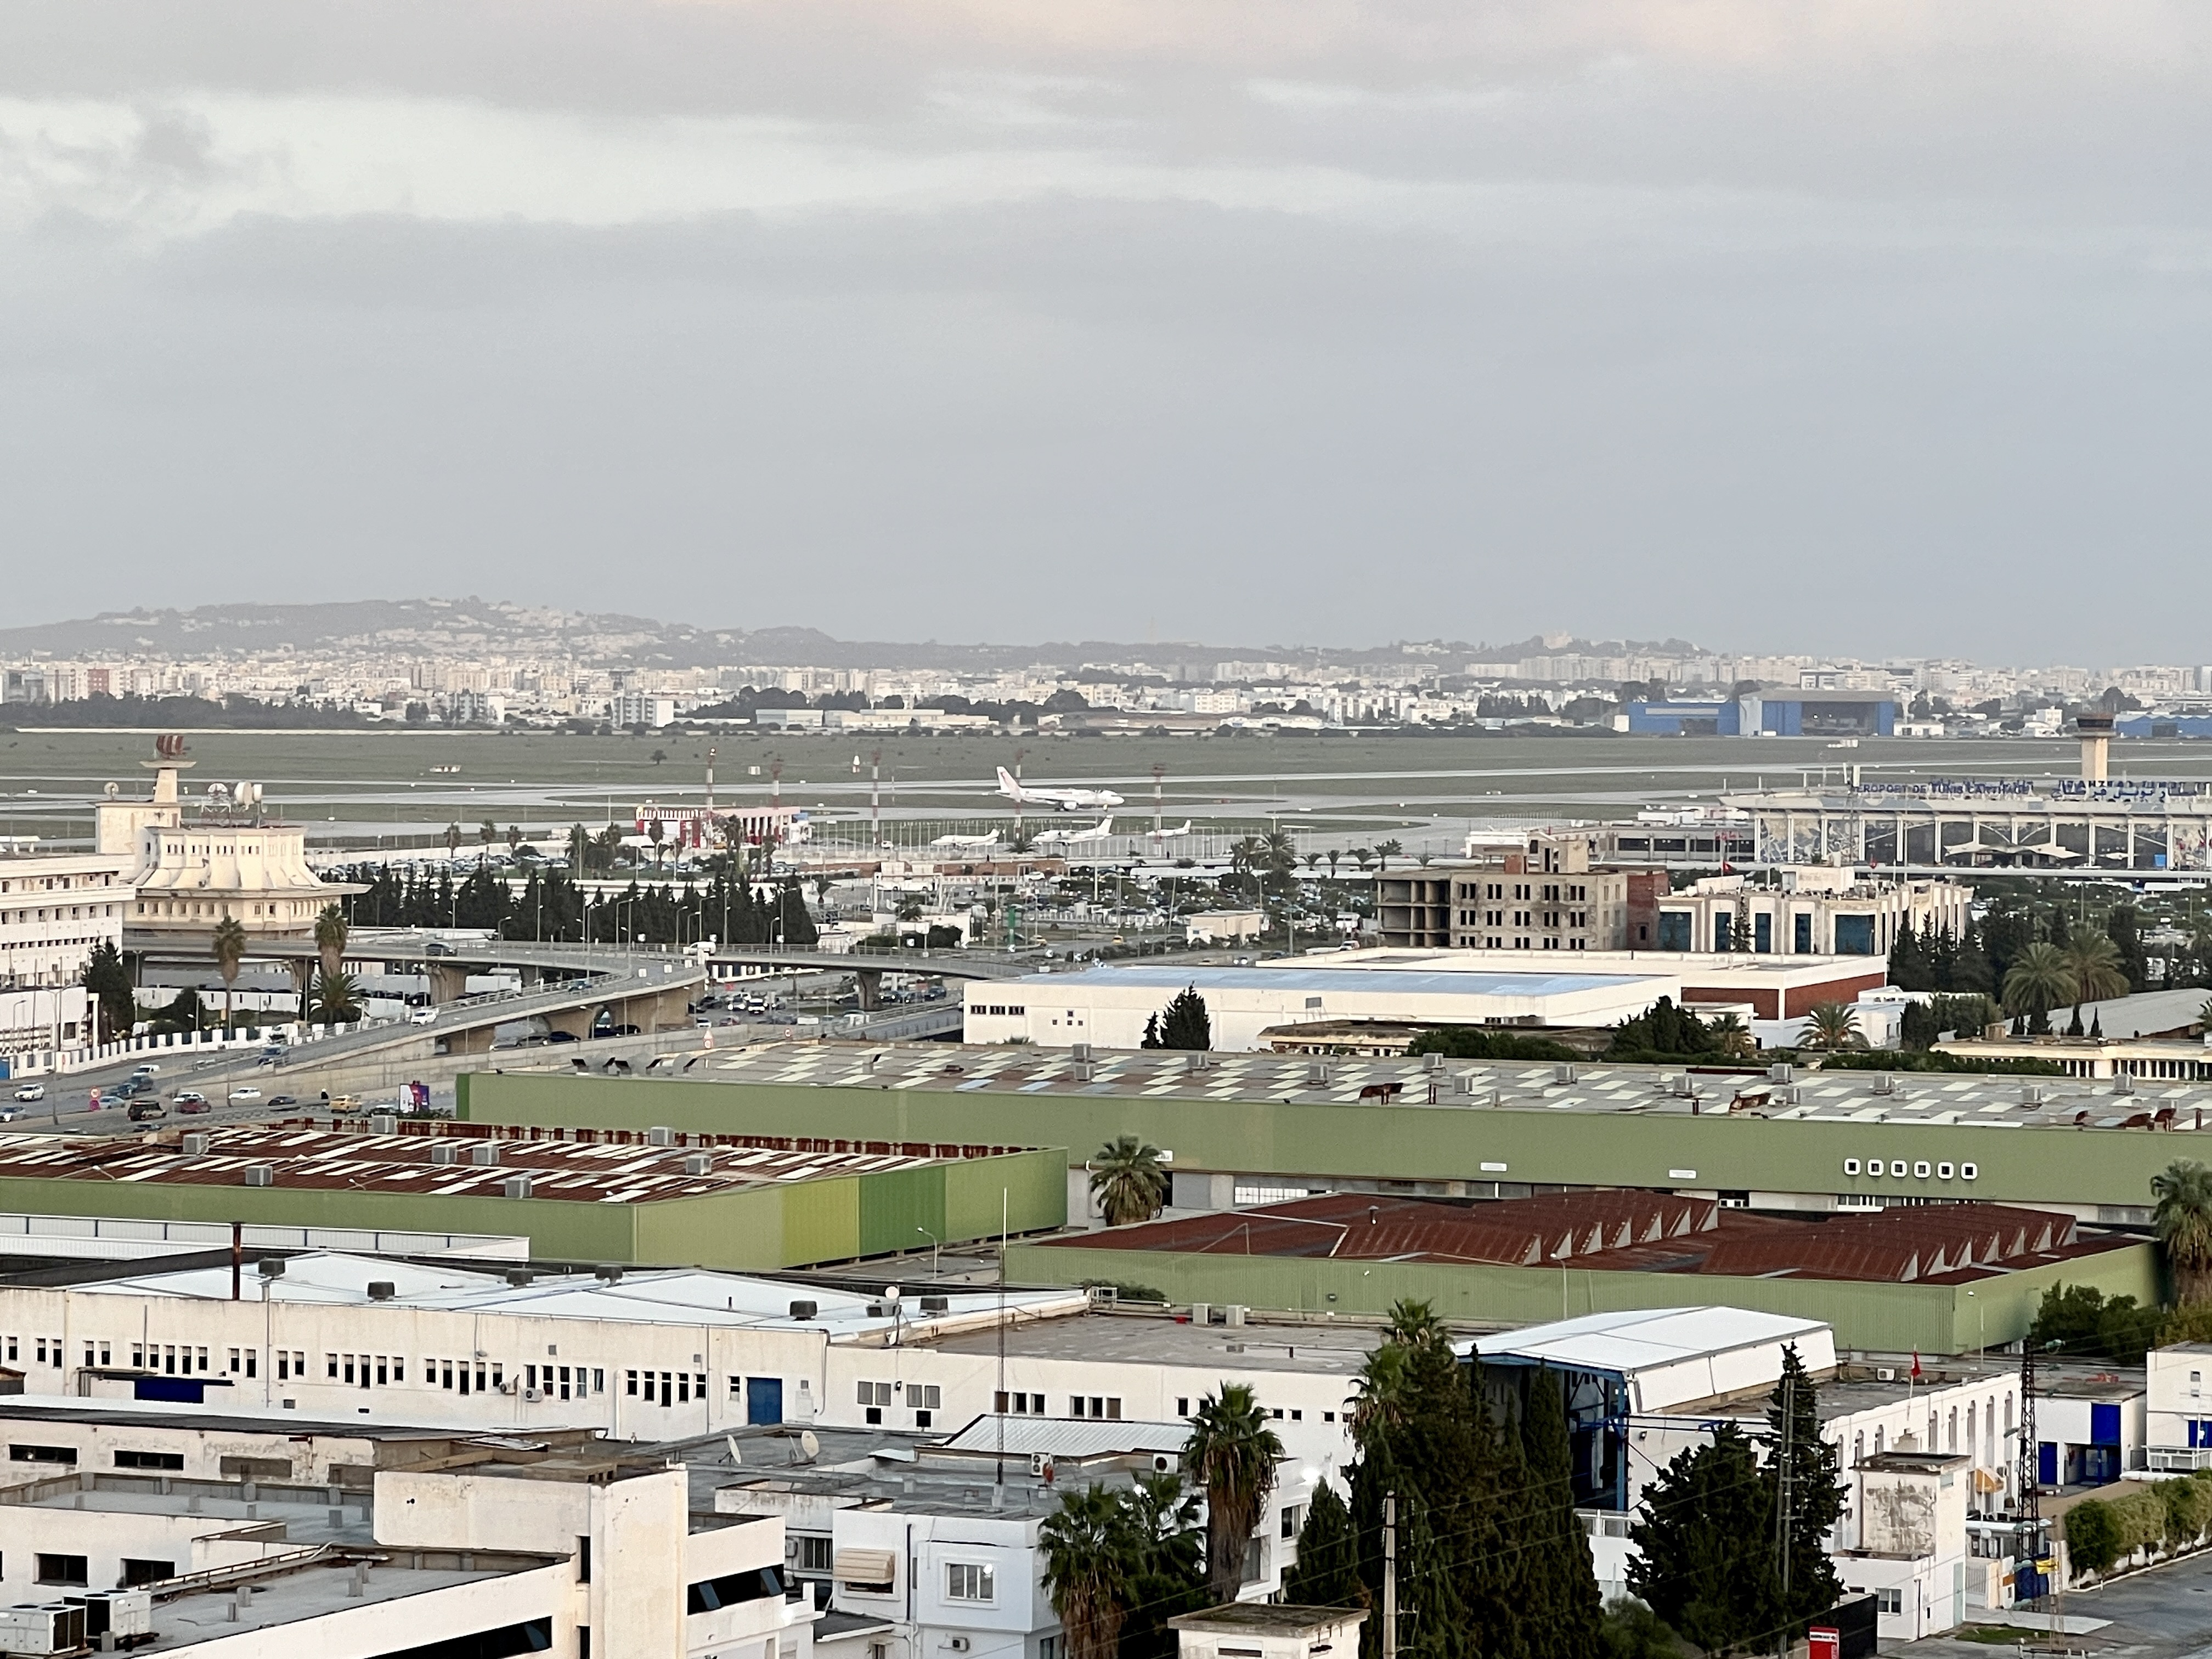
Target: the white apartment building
(492, 1548)
(56, 909)
(2178, 1409)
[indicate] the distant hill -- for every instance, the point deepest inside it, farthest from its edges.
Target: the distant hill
(437, 628)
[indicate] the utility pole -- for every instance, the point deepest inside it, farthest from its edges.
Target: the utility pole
(1390, 1575)
(1785, 1471)
(1159, 771)
(2030, 1510)
(875, 798)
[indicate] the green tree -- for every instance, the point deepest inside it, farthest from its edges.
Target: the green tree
(330, 932)
(1129, 1180)
(1732, 1036)
(338, 1000)
(1385, 851)
(1832, 1026)
(1910, 967)
(229, 951)
(1704, 1543)
(1232, 1453)
(1632, 1630)
(1085, 1545)
(114, 1000)
(1561, 1608)
(1817, 1492)
(2039, 979)
(2123, 927)
(487, 833)
(2094, 964)
(1661, 1031)
(2182, 1217)
(1166, 1567)
(1184, 1022)
(2093, 1536)
(1326, 1573)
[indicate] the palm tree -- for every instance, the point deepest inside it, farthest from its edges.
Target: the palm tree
(2039, 979)
(1414, 1324)
(2204, 1015)
(2183, 1219)
(1384, 852)
(487, 832)
(1831, 1026)
(1734, 1036)
(1281, 851)
(1378, 1398)
(655, 833)
(579, 846)
(452, 839)
(229, 951)
(1085, 1548)
(1364, 857)
(1129, 1180)
(330, 932)
(1334, 854)
(513, 839)
(2094, 961)
(1232, 1453)
(337, 999)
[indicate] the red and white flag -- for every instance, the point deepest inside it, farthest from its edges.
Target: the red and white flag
(1916, 1364)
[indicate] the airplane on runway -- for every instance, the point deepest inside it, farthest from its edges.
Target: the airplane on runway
(1060, 800)
(991, 840)
(1170, 835)
(1097, 831)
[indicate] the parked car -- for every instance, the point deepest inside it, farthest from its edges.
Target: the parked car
(32, 1091)
(193, 1107)
(245, 1092)
(190, 1096)
(144, 1111)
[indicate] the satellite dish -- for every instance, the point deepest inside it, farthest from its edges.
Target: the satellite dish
(809, 1447)
(113, 790)
(737, 1456)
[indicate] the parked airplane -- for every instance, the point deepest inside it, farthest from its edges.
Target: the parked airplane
(1097, 831)
(1169, 834)
(1060, 800)
(991, 840)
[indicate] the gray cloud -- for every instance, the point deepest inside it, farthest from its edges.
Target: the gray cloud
(1862, 327)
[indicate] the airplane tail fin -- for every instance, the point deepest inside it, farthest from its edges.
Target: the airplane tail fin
(1007, 784)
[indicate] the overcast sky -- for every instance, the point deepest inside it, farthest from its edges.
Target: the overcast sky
(1860, 326)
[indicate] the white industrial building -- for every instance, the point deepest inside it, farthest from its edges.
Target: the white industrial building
(1645, 1385)
(647, 1355)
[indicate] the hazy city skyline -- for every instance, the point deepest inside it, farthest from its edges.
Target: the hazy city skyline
(1842, 329)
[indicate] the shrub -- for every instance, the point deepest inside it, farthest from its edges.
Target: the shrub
(2188, 1509)
(2093, 1536)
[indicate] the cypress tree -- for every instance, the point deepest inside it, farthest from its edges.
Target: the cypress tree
(1326, 1573)
(1561, 1603)
(1816, 1494)
(1185, 1024)
(1704, 1544)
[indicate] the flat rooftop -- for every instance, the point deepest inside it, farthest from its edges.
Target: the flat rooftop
(1403, 979)
(280, 1599)
(684, 1296)
(1161, 1340)
(1979, 1100)
(585, 1167)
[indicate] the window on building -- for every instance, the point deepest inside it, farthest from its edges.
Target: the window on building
(61, 1570)
(137, 1571)
(1889, 1600)
(20, 1453)
(1293, 1517)
(174, 1462)
(970, 1581)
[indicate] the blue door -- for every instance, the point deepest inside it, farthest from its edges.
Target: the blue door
(2104, 1425)
(763, 1400)
(2046, 1462)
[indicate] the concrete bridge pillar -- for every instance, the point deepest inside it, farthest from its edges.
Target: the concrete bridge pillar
(449, 981)
(869, 981)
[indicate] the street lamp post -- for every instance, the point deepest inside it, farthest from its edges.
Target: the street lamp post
(936, 1253)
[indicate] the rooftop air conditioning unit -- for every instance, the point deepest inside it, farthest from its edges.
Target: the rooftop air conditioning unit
(880, 1309)
(1782, 1072)
(1104, 1296)
(515, 1186)
(1201, 1313)
(444, 1151)
(52, 1627)
(382, 1290)
(936, 1304)
(2123, 1082)
(698, 1163)
(1162, 1462)
(260, 1175)
(1235, 1313)
(383, 1123)
(1565, 1074)
(956, 1644)
(509, 1386)
(532, 1394)
(1040, 1463)
(1080, 1071)
(196, 1146)
(1317, 1075)
(517, 1277)
(119, 1614)
(270, 1267)
(660, 1137)
(1885, 1084)
(1885, 1374)
(1080, 1051)
(484, 1153)
(1433, 1062)
(805, 1309)
(2032, 1095)
(607, 1273)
